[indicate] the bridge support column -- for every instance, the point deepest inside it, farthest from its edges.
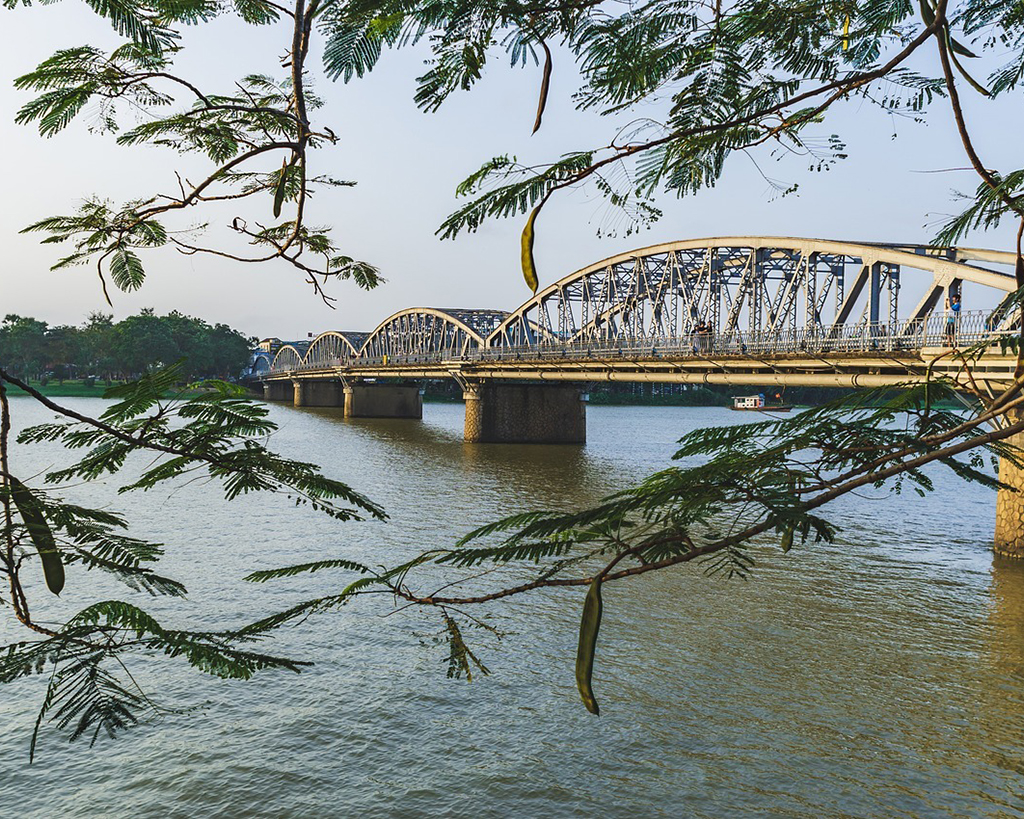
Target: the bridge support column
(525, 414)
(383, 401)
(1010, 507)
(311, 393)
(277, 390)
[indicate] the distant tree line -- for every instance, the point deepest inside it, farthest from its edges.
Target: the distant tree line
(101, 348)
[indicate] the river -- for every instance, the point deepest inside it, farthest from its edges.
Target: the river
(879, 676)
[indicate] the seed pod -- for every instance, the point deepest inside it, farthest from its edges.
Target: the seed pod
(589, 626)
(545, 83)
(787, 539)
(529, 269)
(960, 48)
(927, 12)
(977, 86)
(39, 532)
(282, 184)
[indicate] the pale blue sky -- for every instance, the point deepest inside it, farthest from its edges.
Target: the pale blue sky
(407, 165)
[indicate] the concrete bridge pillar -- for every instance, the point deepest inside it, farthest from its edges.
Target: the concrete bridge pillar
(525, 414)
(277, 390)
(1010, 506)
(317, 393)
(383, 401)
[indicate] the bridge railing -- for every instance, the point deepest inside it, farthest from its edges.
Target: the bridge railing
(937, 330)
(934, 331)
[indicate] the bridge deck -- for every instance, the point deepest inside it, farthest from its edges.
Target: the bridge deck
(853, 369)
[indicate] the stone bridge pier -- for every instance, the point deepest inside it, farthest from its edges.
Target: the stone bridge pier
(1010, 505)
(525, 414)
(318, 393)
(364, 400)
(277, 391)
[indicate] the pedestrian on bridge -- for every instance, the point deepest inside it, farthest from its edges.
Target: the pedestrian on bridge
(952, 318)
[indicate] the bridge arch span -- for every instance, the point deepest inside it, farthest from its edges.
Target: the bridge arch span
(261, 364)
(746, 284)
(333, 348)
(289, 357)
(430, 331)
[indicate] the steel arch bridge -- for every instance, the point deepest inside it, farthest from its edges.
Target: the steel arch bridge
(291, 356)
(691, 301)
(425, 332)
(262, 363)
(333, 347)
(752, 285)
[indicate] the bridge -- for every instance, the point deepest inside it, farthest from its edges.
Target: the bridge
(743, 311)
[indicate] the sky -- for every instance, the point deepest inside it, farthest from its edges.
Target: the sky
(893, 187)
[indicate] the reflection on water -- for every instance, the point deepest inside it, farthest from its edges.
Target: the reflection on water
(879, 676)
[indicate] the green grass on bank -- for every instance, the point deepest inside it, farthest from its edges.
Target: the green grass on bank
(76, 389)
(69, 389)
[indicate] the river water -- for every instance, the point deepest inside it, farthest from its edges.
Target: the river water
(879, 676)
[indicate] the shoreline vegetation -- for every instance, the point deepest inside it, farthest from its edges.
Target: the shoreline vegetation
(100, 351)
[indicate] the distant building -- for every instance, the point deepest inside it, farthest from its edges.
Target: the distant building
(270, 345)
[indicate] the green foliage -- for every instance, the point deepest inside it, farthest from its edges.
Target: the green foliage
(34, 519)
(694, 82)
(988, 207)
(134, 345)
(218, 431)
(461, 659)
(86, 693)
(738, 76)
(263, 115)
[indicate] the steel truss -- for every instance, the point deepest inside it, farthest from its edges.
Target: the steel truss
(742, 288)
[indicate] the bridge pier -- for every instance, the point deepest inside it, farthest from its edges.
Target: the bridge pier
(1009, 540)
(317, 393)
(277, 391)
(525, 414)
(383, 401)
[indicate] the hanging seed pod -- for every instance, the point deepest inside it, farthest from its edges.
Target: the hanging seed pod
(545, 84)
(590, 623)
(39, 532)
(529, 269)
(279, 192)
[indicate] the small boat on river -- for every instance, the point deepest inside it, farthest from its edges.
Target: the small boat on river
(757, 403)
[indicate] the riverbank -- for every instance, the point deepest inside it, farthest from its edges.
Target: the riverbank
(69, 389)
(77, 389)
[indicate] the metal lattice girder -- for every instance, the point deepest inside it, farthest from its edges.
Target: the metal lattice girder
(261, 363)
(289, 357)
(334, 348)
(428, 331)
(763, 285)
(738, 288)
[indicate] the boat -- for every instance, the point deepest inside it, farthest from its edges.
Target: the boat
(757, 403)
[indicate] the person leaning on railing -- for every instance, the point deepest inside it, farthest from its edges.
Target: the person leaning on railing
(952, 318)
